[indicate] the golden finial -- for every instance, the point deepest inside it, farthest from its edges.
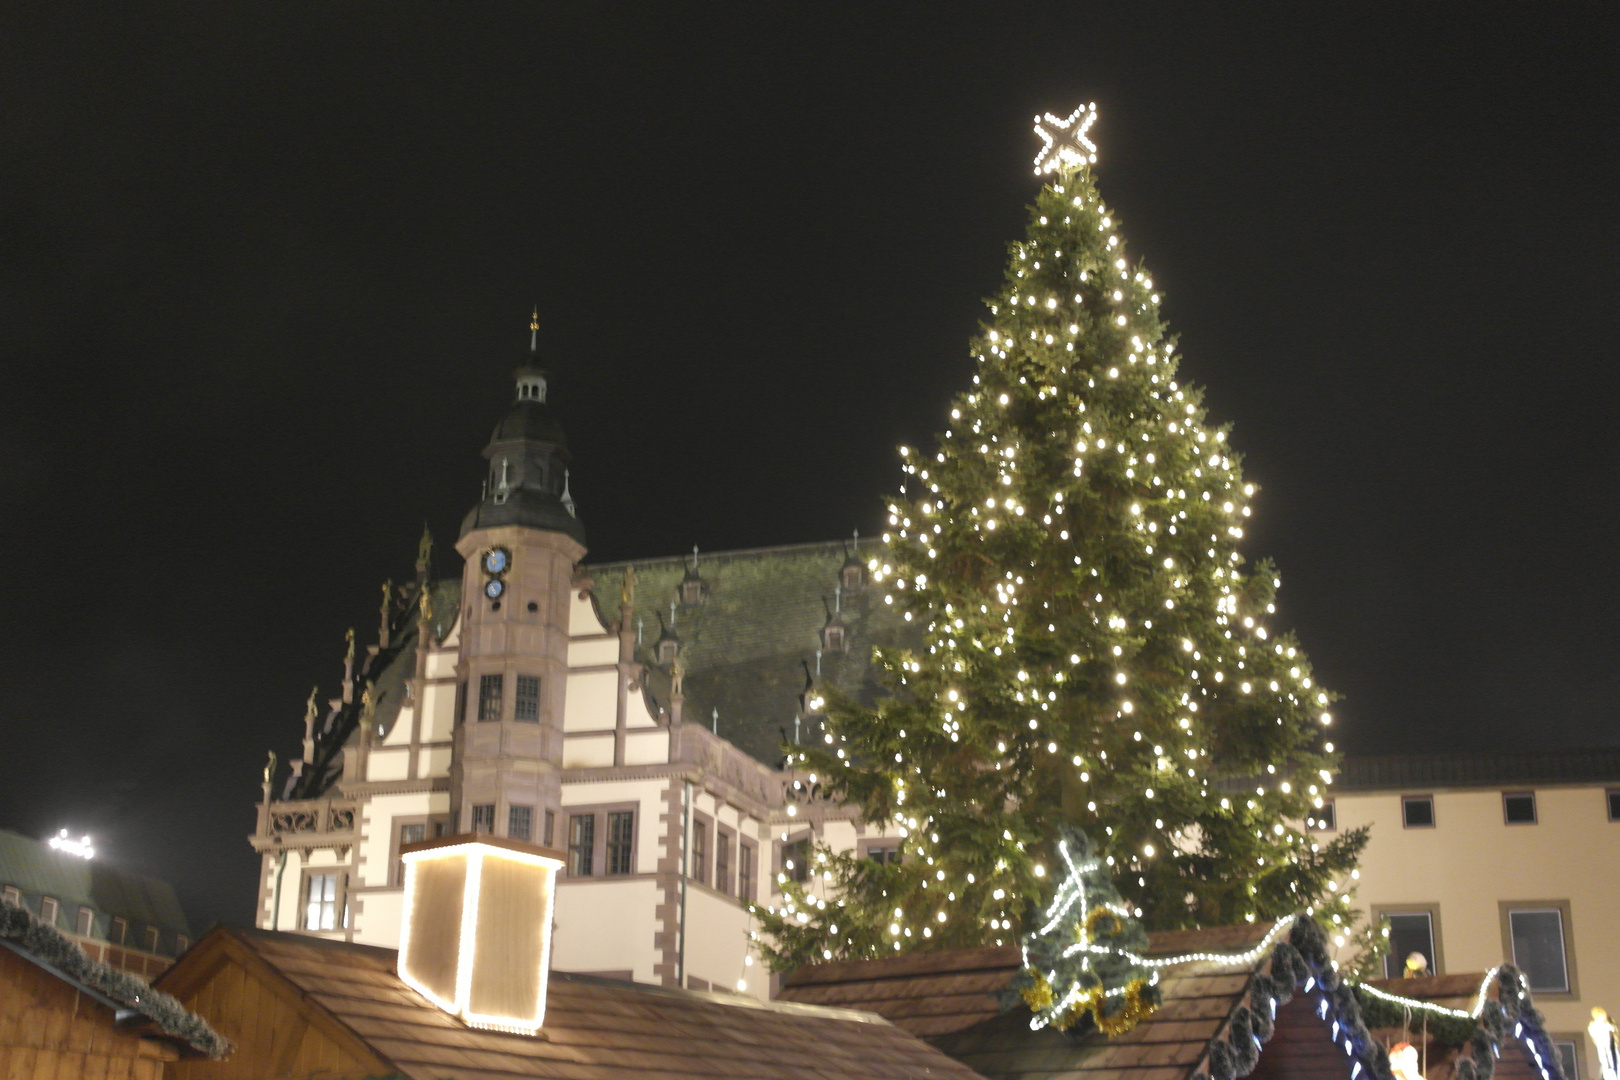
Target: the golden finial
(534, 330)
(627, 587)
(424, 549)
(387, 587)
(348, 637)
(425, 604)
(309, 706)
(269, 768)
(368, 702)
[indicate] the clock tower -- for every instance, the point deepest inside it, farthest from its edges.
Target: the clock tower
(521, 543)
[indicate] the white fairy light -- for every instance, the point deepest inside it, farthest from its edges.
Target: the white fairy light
(1064, 142)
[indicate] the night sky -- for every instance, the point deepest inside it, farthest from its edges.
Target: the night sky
(267, 268)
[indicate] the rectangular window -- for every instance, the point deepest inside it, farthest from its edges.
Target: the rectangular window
(320, 904)
(1325, 819)
(1614, 805)
(526, 706)
(47, 910)
(520, 822)
(151, 939)
(181, 943)
(620, 841)
(885, 853)
(483, 818)
(1417, 811)
(86, 919)
(408, 834)
(722, 861)
(700, 851)
(1409, 932)
(551, 828)
(796, 860)
(745, 871)
(12, 895)
(1519, 807)
(581, 844)
(1569, 1058)
(119, 933)
(1538, 947)
(489, 696)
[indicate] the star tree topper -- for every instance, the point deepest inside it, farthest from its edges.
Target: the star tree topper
(1065, 144)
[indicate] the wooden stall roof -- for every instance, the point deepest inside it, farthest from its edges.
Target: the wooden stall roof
(595, 1028)
(948, 998)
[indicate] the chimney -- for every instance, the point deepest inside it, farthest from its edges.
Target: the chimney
(476, 938)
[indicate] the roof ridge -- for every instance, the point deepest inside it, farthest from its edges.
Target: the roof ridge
(778, 549)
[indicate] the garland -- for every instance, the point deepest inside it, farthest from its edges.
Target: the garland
(19, 925)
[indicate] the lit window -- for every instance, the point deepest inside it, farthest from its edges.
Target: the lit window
(796, 860)
(119, 933)
(526, 706)
(1538, 948)
(1519, 807)
(489, 697)
(483, 818)
(581, 844)
(85, 921)
(520, 822)
(1417, 811)
(1324, 820)
(1409, 932)
(320, 906)
(47, 910)
(620, 838)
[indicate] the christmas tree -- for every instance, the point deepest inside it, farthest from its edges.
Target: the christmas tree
(1093, 647)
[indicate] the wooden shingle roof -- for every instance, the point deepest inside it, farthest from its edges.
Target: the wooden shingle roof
(594, 1028)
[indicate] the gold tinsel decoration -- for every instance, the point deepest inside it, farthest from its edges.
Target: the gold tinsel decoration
(1138, 1007)
(1039, 996)
(1097, 915)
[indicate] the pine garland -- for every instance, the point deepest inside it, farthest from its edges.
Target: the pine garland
(45, 942)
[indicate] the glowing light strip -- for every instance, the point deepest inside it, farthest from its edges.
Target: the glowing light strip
(476, 853)
(1429, 1006)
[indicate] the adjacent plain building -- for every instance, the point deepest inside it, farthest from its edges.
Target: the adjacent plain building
(1477, 859)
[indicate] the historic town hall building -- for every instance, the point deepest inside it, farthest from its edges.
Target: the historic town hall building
(630, 714)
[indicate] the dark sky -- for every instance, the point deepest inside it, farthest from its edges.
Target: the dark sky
(266, 268)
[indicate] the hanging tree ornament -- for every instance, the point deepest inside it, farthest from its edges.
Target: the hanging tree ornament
(1065, 145)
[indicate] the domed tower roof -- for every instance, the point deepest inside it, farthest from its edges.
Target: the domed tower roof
(527, 482)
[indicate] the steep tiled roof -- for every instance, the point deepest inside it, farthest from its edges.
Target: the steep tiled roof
(1408, 771)
(594, 1028)
(948, 999)
(748, 645)
(38, 870)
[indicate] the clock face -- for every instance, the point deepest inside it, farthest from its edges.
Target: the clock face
(497, 561)
(494, 588)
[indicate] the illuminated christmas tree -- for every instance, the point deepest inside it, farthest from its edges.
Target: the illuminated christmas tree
(1094, 649)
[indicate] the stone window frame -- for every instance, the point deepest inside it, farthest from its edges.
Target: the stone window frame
(519, 700)
(725, 864)
(805, 836)
(340, 902)
(1611, 797)
(700, 862)
(1434, 813)
(599, 838)
(1578, 1041)
(433, 825)
(1504, 910)
(474, 816)
(747, 882)
(1436, 940)
(669, 650)
(512, 810)
(864, 846)
(1535, 812)
(1329, 822)
(484, 711)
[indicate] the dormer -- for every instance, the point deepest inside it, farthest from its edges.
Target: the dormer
(693, 589)
(852, 575)
(668, 645)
